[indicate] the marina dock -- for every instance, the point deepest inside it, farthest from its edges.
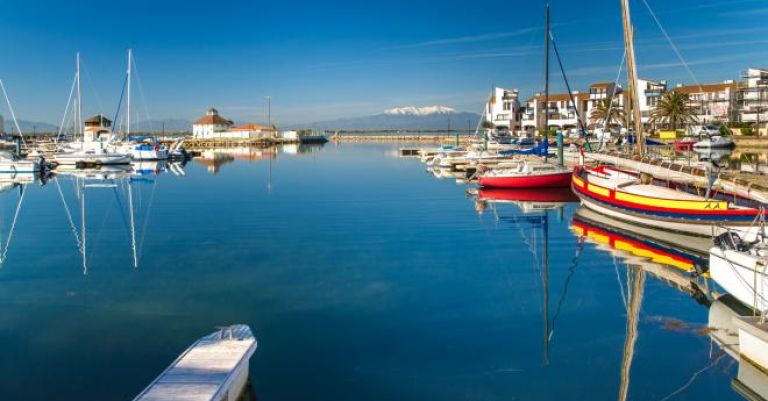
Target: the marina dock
(214, 368)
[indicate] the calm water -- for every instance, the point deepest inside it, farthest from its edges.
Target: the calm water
(362, 276)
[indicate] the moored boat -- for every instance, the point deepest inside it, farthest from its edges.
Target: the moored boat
(741, 268)
(624, 196)
(527, 175)
(715, 142)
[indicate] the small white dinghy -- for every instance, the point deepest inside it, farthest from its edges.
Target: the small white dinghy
(214, 368)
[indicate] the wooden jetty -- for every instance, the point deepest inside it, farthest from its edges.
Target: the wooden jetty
(214, 368)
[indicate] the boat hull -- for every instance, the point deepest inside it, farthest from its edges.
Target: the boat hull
(100, 160)
(741, 275)
(557, 180)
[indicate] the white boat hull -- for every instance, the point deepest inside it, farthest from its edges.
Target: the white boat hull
(695, 228)
(99, 159)
(742, 275)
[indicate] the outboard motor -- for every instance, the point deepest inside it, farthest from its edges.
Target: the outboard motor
(731, 241)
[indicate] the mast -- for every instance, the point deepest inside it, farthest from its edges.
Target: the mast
(133, 226)
(635, 290)
(546, 76)
(634, 100)
(545, 279)
(79, 104)
(128, 96)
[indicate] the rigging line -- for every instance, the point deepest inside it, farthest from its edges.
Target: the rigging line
(672, 44)
(140, 86)
(567, 84)
(120, 103)
(695, 375)
(66, 111)
(69, 214)
(145, 223)
(13, 226)
(571, 271)
(615, 89)
(13, 115)
(92, 86)
(621, 285)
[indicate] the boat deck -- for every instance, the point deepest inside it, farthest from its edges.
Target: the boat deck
(214, 368)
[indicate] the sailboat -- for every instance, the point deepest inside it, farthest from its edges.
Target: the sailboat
(530, 174)
(140, 148)
(11, 163)
(91, 148)
(741, 268)
(628, 197)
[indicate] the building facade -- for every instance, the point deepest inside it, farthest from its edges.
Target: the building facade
(712, 102)
(650, 93)
(753, 98)
(211, 125)
(503, 109)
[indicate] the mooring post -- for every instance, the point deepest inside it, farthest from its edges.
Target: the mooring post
(560, 156)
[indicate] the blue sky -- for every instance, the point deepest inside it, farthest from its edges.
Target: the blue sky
(323, 61)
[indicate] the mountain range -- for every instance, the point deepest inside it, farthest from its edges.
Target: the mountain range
(404, 118)
(427, 118)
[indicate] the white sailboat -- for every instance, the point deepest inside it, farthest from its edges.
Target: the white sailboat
(144, 148)
(94, 134)
(11, 163)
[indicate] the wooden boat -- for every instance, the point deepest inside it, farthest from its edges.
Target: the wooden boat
(214, 368)
(623, 196)
(527, 175)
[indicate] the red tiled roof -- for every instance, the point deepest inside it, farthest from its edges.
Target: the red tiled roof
(706, 88)
(213, 120)
(253, 127)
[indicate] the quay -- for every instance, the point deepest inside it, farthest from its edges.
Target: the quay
(214, 368)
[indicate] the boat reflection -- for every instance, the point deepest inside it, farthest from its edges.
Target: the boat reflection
(301, 148)
(534, 227)
(643, 245)
(120, 182)
(8, 183)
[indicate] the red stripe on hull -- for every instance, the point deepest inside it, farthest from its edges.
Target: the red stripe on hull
(559, 180)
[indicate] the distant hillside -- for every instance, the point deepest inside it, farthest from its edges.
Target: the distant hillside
(28, 127)
(157, 126)
(405, 118)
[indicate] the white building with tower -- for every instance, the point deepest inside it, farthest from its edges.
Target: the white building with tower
(211, 125)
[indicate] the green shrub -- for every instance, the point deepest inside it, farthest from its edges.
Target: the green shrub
(747, 131)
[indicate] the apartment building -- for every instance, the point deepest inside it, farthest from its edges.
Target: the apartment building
(564, 113)
(752, 99)
(712, 102)
(503, 109)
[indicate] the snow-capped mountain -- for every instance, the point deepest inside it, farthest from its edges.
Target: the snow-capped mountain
(404, 118)
(420, 111)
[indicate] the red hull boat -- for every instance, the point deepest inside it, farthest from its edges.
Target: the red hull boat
(527, 175)
(527, 195)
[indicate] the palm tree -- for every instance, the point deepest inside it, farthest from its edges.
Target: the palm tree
(605, 112)
(674, 109)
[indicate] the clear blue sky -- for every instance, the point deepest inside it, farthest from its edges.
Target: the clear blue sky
(321, 61)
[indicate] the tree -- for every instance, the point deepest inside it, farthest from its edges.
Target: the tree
(674, 109)
(605, 113)
(488, 125)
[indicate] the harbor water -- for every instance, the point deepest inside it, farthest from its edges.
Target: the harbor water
(362, 276)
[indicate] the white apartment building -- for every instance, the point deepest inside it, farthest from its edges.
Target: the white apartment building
(753, 97)
(650, 93)
(503, 109)
(712, 102)
(599, 92)
(563, 113)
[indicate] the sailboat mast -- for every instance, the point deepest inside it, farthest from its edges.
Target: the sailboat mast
(128, 96)
(634, 99)
(79, 103)
(546, 75)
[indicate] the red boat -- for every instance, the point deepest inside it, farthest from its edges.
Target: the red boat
(527, 195)
(685, 144)
(527, 175)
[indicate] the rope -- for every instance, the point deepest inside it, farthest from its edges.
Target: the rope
(13, 115)
(672, 44)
